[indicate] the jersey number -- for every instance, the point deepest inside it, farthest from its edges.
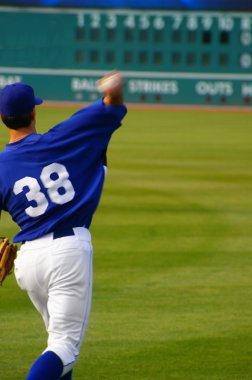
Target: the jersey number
(59, 188)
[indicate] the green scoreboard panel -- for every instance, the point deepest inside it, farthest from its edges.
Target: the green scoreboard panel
(185, 58)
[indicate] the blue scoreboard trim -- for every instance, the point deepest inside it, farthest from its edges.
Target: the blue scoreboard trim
(234, 5)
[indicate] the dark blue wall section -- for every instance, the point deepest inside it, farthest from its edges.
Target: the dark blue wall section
(237, 5)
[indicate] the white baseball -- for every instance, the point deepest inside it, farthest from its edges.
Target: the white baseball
(109, 82)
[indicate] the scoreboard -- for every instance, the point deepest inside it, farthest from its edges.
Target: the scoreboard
(167, 57)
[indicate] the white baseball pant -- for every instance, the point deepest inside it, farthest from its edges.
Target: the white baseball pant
(57, 275)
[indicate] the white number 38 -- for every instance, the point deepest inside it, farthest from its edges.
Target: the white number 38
(59, 188)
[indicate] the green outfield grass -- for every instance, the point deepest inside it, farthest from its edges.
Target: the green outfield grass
(173, 255)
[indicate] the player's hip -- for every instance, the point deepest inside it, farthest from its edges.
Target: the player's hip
(46, 260)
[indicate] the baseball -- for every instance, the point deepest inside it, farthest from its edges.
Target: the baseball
(109, 82)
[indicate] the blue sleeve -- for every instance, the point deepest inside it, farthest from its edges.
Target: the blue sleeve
(92, 125)
(96, 118)
(110, 113)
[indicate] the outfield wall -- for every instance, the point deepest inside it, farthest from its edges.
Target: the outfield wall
(166, 57)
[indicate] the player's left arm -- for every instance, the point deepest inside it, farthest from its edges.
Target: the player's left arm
(110, 108)
(105, 115)
(111, 86)
(95, 123)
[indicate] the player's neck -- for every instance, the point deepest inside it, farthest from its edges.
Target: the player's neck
(19, 134)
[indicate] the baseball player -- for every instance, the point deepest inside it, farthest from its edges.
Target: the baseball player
(51, 185)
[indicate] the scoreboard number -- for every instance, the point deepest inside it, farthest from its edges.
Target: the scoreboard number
(207, 22)
(177, 22)
(192, 23)
(95, 20)
(226, 23)
(246, 23)
(158, 23)
(144, 22)
(246, 60)
(246, 39)
(111, 21)
(129, 22)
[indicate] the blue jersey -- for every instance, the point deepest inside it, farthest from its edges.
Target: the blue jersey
(54, 181)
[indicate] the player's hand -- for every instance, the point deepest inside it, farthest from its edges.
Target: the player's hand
(111, 86)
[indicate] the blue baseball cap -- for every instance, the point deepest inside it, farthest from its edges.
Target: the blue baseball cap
(17, 99)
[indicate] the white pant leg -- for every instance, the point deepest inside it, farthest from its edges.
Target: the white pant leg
(57, 275)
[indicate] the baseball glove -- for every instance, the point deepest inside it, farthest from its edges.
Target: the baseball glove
(8, 253)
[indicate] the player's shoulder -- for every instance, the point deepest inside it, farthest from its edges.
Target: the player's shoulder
(7, 169)
(3, 155)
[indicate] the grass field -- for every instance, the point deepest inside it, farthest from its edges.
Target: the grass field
(173, 255)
